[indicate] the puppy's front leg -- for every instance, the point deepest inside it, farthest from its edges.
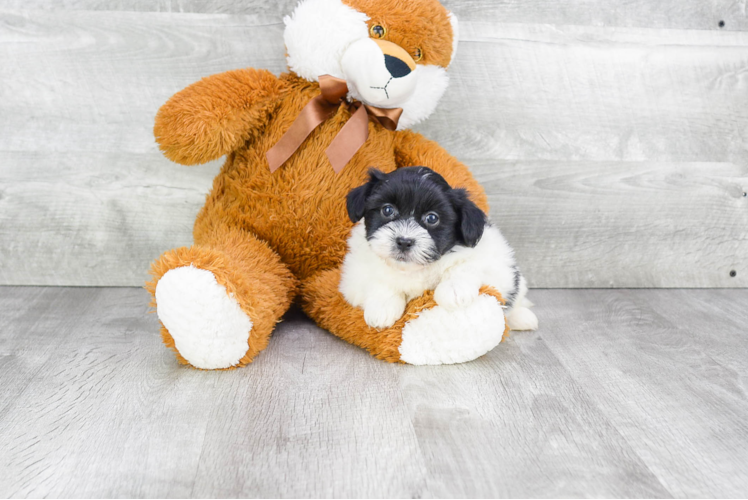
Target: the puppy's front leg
(383, 308)
(457, 290)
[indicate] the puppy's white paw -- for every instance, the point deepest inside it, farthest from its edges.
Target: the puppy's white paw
(522, 318)
(383, 312)
(456, 294)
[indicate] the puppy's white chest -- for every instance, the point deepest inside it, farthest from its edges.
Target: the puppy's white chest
(414, 283)
(366, 274)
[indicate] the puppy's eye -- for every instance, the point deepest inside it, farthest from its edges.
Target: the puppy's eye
(389, 211)
(431, 219)
(417, 54)
(377, 31)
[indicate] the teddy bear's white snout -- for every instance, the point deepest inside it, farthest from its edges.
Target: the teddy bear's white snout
(379, 73)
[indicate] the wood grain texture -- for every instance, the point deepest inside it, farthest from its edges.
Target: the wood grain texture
(680, 353)
(596, 224)
(638, 13)
(554, 92)
(621, 393)
(600, 94)
(622, 224)
(624, 114)
(93, 218)
(93, 81)
(26, 317)
(317, 418)
(514, 424)
(106, 415)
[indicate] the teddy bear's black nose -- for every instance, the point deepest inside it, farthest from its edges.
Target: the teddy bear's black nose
(397, 67)
(404, 244)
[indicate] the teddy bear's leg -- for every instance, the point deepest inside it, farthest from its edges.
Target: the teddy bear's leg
(219, 300)
(426, 334)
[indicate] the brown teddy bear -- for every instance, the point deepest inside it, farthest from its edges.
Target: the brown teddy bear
(274, 226)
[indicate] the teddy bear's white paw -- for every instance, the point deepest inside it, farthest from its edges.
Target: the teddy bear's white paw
(440, 336)
(521, 318)
(455, 294)
(209, 328)
(383, 312)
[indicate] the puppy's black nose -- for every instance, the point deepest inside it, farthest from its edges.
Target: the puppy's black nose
(404, 244)
(397, 67)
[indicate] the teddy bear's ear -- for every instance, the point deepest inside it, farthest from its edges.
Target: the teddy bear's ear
(455, 35)
(317, 33)
(356, 200)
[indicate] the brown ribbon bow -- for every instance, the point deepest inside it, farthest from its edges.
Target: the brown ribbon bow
(351, 137)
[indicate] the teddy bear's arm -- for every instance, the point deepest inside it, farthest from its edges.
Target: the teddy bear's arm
(412, 149)
(212, 117)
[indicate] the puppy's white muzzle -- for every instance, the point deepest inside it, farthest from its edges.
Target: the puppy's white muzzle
(420, 251)
(379, 73)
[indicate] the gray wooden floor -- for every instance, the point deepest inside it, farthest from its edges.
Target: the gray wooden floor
(621, 393)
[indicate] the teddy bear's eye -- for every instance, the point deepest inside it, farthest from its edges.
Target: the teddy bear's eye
(417, 54)
(378, 31)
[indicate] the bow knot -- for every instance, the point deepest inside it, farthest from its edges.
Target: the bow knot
(351, 137)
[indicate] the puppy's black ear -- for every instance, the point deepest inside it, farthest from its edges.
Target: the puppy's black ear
(376, 175)
(472, 218)
(356, 200)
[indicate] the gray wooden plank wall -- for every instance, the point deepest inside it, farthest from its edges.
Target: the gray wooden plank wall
(612, 138)
(634, 13)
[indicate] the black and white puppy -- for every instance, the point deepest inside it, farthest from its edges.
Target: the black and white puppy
(419, 234)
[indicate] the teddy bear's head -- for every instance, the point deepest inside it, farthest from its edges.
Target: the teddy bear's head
(392, 53)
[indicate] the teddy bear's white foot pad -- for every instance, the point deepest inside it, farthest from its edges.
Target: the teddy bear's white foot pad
(209, 328)
(440, 336)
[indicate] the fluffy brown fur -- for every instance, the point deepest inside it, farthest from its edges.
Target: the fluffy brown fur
(249, 270)
(323, 302)
(261, 234)
(420, 24)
